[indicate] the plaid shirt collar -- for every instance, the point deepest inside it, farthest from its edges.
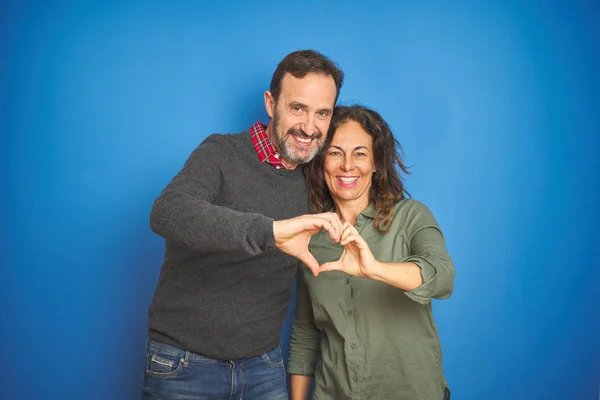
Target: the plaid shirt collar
(264, 148)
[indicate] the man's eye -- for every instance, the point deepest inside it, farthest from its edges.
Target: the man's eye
(323, 114)
(360, 154)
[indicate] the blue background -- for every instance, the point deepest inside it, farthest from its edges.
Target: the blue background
(496, 105)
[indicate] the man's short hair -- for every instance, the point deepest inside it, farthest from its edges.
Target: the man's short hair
(302, 62)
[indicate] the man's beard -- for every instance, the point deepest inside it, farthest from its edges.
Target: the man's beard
(284, 144)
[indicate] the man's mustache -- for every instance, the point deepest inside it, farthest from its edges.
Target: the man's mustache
(301, 133)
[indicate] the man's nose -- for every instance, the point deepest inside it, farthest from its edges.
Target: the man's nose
(309, 126)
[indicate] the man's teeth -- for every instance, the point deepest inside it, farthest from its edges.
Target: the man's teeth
(347, 179)
(303, 139)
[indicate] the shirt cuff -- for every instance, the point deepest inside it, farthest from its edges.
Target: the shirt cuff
(300, 368)
(422, 293)
(261, 233)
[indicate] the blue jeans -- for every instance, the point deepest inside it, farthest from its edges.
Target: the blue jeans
(175, 374)
(446, 394)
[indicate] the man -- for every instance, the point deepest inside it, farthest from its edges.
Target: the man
(228, 219)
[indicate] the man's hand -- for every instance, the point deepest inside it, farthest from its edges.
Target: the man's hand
(293, 235)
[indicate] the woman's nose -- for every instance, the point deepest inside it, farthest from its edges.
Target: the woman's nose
(348, 163)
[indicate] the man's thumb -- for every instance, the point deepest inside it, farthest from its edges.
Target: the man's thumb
(310, 262)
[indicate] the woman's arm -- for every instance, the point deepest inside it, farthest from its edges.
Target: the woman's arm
(299, 386)
(304, 343)
(426, 273)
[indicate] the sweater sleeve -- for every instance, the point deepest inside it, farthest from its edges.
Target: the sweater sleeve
(428, 251)
(185, 214)
(304, 343)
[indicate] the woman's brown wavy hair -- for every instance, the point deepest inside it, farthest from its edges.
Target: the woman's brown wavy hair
(387, 188)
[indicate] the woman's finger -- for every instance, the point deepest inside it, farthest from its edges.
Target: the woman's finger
(348, 229)
(330, 266)
(349, 237)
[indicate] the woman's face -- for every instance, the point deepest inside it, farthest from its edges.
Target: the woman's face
(349, 165)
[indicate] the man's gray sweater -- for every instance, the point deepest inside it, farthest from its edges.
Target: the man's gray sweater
(224, 288)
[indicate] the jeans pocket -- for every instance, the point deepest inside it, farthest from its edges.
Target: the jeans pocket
(273, 358)
(163, 365)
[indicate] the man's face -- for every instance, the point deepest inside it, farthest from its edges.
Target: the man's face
(301, 116)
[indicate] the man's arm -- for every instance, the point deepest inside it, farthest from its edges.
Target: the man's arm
(184, 214)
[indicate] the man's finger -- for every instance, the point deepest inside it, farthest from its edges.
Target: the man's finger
(310, 262)
(332, 229)
(335, 224)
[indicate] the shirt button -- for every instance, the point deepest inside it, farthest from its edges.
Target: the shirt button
(278, 167)
(353, 346)
(349, 313)
(276, 155)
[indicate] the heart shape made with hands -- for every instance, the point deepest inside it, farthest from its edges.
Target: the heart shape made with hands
(356, 259)
(292, 236)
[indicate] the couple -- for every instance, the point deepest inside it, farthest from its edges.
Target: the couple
(237, 218)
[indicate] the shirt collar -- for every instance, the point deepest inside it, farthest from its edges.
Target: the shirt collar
(264, 147)
(369, 212)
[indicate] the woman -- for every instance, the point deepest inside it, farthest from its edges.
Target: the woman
(363, 327)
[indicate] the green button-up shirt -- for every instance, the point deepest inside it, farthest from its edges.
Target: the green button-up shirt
(375, 341)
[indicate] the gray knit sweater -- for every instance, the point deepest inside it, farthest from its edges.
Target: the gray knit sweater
(224, 288)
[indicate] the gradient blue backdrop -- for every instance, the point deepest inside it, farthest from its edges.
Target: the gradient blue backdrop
(496, 104)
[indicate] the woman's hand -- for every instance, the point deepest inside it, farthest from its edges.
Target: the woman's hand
(357, 258)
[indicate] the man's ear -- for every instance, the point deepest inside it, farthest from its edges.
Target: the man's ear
(269, 104)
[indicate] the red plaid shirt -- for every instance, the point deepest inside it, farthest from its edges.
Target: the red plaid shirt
(264, 147)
